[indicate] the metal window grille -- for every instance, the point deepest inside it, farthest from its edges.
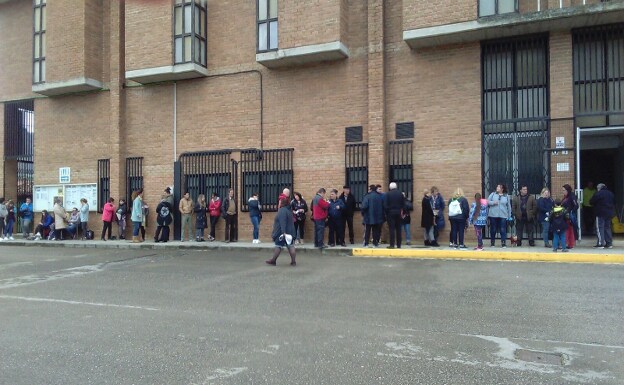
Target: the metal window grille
(356, 170)
(598, 70)
(401, 167)
(103, 182)
(134, 176)
(266, 172)
(266, 25)
(404, 130)
(189, 31)
(515, 113)
(207, 173)
(497, 7)
(39, 41)
(19, 126)
(353, 134)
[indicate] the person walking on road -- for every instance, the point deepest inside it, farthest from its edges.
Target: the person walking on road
(603, 203)
(283, 233)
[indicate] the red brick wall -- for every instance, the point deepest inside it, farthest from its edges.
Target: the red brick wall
(149, 34)
(422, 13)
(16, 50)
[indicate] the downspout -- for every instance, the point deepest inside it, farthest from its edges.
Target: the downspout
(175, 121)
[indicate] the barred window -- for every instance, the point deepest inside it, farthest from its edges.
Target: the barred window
(134, 176)
(598, 66)
(356, 170)
(190, 31)
(39, 43)
(266, 172)
(103, 183)
(207, 173)
(515, 113)
(267, 25)
(401, 167)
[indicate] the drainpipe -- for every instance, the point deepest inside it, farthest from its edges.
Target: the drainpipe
(175, 122)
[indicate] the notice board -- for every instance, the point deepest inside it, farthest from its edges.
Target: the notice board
(43, 197)
(70, 195)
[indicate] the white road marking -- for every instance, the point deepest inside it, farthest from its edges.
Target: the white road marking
(56, 275)
(35, 299)
(5, 266)
(220, 374)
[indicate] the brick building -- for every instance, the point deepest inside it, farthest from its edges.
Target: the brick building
(265, 94)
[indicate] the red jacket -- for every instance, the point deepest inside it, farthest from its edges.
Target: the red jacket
(108, 212)
(215, 208)
(319, 211)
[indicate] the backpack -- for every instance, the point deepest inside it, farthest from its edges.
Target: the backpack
(89, 234)
(164, 211)
(3, 211)
(455, 208)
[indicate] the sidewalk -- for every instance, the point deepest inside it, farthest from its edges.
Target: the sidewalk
(583, 252)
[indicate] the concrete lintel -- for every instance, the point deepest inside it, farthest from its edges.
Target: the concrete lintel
(307, 54)
(167, 73)
(81, 84)
(515, 24)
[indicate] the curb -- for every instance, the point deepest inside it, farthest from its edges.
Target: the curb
(570, 257)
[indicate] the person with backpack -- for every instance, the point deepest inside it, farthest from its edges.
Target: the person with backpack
(4, 213)
(499, 212)
(200, 210)
(26, 213)
(215, 213)
(458, 211)
(559, 218)
(164, 211)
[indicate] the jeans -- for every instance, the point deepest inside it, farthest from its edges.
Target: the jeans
(559, 239)
(408, 230)
(428, 233)
(121, 229)
(479, 234)
(457, 230)
(186, 224)
(8, 229)
(545, 231)
(135, 228)
(498, 224)
(199, 233)
(255, 221)
(319, 232)
(26, 227)
(213, 225)
(299, 229)
(603, 231)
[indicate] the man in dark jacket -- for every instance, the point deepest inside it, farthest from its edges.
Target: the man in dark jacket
(603, 203)
(164, 212)
(524, 209)
(349, 210)
(336, 219)
(229, 211)
(394, 202)
(372, 213)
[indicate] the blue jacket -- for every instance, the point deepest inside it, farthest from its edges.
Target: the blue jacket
(544, 205)
(84, 213)
(47, 221)
(137, 210)
(481, 216)
(372, 208)
(604, 203)
(254, 207)
(336, 208)
(27, 209)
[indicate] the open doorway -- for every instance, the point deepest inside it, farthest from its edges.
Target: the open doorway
(600, 159)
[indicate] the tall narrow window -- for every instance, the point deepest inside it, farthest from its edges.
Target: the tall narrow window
(401, 166)
(190, 32)
(267, 25)
(515, 113)
(103, 183)
(598, 62)
(356, 170)
(134, 175)
(39, 44)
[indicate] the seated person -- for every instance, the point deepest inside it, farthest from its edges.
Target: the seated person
(43, 228)
(74, 222)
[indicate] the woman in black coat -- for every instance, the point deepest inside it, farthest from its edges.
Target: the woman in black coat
(164, 217)
(427, 219)
(283, 228)
(201, 221)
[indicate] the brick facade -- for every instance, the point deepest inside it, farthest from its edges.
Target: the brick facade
(242, 104)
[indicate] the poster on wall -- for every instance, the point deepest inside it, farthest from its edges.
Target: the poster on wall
(75, 192)
(43, 197)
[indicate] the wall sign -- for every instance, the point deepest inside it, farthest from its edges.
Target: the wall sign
(64, 175)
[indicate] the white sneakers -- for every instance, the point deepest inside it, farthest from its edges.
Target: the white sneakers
(11, 238)
(255, 241)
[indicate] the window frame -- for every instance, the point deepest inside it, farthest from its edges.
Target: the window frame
(103, 183)
(197, 6)
(268, 22)
(496, 8)
(39, 33)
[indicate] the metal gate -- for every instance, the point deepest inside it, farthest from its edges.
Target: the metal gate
(19, 124)
(356, 170)
(401, 168)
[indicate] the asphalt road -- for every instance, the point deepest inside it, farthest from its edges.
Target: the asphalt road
(93, 316)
